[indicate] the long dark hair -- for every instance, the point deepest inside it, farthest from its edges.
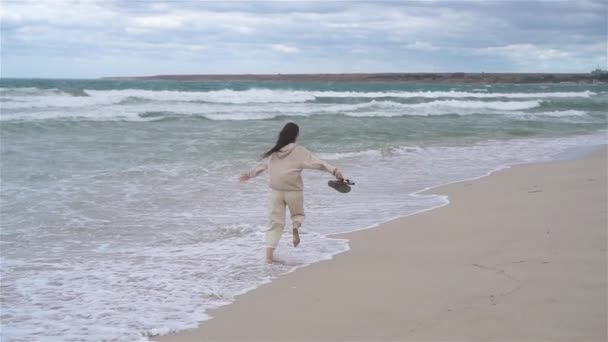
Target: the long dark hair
(288, 134)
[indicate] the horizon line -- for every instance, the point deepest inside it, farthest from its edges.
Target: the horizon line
(314, 74)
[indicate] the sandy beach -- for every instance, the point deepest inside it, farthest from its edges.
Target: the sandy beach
(519, 255)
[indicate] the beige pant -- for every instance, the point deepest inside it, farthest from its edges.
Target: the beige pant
(278, 201)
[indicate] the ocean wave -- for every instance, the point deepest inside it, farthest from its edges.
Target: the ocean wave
(30, 91)
(445, 104)
(560, 113)
(373, 108)
(554, 114)
(34, 91)
(262, 95)
(76, 92)
(154, 114)
(496, 105)
(133, 100)
(439, 107)
(78, 97)
(94, 115)
(139, 108)
(476, 93)
(164, 115)
(214, 96)
(370, 153)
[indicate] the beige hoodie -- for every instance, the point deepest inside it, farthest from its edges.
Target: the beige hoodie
(286, 165)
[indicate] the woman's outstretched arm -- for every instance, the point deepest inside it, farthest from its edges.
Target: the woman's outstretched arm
(312, 162)
(255, 171)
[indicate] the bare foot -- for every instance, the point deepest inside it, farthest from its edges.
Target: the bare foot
(296, 237)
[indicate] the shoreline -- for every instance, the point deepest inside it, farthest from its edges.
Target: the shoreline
(207, 327)
(570, 154)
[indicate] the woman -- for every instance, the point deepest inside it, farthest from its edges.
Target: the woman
(285, 162)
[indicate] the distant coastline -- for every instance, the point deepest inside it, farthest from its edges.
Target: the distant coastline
(453, 77)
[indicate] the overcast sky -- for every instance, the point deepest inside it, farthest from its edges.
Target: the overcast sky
(80, 39)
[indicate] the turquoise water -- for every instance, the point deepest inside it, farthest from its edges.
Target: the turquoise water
(122, 216)
(371, 115)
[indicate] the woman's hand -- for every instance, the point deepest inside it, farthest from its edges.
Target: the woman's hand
(339, 176)
(244, 177)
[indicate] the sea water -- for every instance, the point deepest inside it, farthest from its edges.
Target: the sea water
(122, 215)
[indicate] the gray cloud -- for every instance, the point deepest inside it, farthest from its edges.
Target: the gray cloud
(103, 37)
